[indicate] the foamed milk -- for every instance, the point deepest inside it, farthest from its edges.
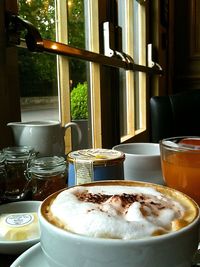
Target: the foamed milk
(119, 212)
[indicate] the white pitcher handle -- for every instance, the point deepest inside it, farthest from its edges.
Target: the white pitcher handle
(78, 129)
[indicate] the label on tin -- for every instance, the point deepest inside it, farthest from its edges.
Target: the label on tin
(87, 161)
(83, 171)
(97, 156)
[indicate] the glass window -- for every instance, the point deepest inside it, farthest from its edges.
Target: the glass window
(72, 73)
(132, 19)
(52, 87)
(38, 71)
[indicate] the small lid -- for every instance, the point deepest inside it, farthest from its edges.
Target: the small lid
(18, 153)
(47, 165)
(98, 156)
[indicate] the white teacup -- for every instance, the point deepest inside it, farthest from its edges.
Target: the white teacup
(142, 162)
(65, 248)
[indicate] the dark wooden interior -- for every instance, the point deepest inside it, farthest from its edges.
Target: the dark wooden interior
(179, 46)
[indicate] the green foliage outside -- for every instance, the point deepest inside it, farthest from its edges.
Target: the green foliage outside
(79, 107)
(38, 73)
(38, 70)
(76, 24)
(76, 38)
(41, 13)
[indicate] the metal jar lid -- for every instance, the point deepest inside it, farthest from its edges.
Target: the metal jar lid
(18, 154)
(47, 166)
(99, 156)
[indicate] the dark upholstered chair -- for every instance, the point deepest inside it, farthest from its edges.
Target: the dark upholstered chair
(175, 115)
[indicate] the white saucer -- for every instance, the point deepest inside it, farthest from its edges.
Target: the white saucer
(31, 258)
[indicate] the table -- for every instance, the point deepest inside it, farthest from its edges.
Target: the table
(7, 260)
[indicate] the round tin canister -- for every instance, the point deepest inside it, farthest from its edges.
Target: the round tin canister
(89, 165)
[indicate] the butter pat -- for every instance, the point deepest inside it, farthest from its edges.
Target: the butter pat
(19, 226)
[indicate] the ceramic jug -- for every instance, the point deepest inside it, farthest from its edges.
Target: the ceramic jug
(46, 137)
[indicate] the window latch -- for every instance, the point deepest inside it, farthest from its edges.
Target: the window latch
(113, 42)
(15, 25)
(151, 62)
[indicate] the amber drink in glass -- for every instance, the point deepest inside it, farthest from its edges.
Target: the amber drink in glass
(180, 159)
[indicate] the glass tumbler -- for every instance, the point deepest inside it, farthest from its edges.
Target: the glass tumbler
(180, 160)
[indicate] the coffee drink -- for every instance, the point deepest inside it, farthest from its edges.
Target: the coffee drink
(120, 210)
(119, 223)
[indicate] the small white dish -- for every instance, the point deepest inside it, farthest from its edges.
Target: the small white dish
(17, 247)
(31, 258)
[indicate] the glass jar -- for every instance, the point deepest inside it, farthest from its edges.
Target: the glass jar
(47, 175)
(16, 162)
(2, 176)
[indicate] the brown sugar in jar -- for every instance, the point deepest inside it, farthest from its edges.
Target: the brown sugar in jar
(47, 175)
(16, 160)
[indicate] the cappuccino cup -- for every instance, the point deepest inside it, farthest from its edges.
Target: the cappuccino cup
(119, 223)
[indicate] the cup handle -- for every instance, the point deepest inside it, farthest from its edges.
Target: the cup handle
(76, 126)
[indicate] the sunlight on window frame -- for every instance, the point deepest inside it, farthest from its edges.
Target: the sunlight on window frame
(63, 71)
(131, 116)
(131, 112)
(142, 76)
(92, 44)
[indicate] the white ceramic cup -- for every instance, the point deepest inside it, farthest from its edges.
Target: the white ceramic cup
(62, 248)
(142, 162)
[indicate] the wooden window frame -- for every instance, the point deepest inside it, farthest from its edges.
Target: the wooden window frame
(97, 60)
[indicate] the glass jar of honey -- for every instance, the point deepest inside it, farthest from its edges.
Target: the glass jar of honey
(16, 160)
(47, 175)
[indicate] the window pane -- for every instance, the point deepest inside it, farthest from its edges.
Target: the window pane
(71, 30)
(133, 84)
(65, 22)
(38, 85)
(38, 71)
(141, 100)
(76, 23)
(76, 38)
(136, 32)
(38, 75)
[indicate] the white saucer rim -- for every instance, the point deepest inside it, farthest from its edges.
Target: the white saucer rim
(35, 248)
(25, 254)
